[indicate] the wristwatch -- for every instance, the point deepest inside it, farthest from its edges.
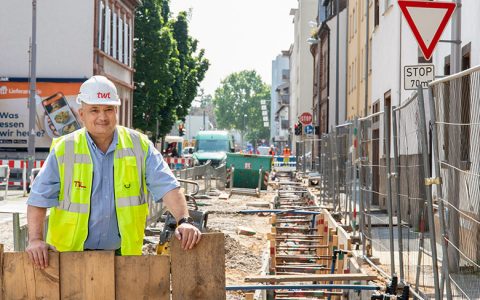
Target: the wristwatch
(188, 220)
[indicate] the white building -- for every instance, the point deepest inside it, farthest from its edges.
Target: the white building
(194, 124)
(280, 99)
(342, 82)
(301, 63)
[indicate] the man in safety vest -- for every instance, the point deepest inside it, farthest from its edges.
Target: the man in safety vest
(286, 155)
(95, 182)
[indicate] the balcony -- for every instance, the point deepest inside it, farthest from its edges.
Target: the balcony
(286, 74)
(284, 99)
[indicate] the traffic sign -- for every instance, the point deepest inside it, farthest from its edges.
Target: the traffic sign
(418, 75)
(305, 118)
(427, 20)
(308, 129)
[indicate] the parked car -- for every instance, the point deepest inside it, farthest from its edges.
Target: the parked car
(188, 152)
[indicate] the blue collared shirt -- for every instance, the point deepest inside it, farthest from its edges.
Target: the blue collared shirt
(103, 230)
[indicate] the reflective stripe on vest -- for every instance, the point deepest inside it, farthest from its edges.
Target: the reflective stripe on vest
(68, 224)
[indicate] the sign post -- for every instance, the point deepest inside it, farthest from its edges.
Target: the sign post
(427, 20)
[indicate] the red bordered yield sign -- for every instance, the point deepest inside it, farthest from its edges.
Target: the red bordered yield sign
(427, 21)
(305, 118)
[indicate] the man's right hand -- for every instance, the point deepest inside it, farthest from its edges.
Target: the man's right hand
(38, 252)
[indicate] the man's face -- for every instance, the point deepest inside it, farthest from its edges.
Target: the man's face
(100, 120)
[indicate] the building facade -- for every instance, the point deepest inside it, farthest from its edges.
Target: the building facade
(357, 62)
(75, 40)
(280, 100)
(301, 63)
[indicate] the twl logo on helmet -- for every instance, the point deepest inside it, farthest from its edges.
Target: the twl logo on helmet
(103, 95)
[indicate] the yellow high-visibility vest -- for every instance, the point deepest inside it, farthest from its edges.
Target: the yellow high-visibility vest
(68, 222)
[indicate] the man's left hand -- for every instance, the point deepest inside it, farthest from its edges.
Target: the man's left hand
(189, 235)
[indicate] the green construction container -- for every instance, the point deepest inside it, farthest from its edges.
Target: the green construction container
(247, 167)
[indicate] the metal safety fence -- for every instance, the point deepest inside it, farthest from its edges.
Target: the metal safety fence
(455, 123)
(409, 189)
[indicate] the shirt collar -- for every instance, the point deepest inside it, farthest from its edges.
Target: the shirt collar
(112, 146)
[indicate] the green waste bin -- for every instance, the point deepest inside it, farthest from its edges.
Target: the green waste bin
(247, 168)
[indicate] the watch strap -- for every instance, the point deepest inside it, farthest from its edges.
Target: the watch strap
(188, 220)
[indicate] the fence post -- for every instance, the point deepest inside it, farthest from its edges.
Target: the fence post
(360, 180)
(337, 204)
(304, 160)
(386, 126)
(297, 156)
(397, 196)
(428, 190)
(24, 176)
(436, 165)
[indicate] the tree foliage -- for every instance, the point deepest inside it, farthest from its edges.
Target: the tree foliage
(237, 104)
(168, 69)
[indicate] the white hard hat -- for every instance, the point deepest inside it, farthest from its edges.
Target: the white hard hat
(98, 90)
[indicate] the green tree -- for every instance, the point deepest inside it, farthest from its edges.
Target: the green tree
(168, 68)
(237, 104)
(192, 68)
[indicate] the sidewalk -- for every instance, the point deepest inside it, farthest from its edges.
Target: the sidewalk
(15, 202)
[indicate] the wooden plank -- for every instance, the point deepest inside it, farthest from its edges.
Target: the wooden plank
(249, 296)
(23, 281)
(87, 275)
(142, 277)
(311, 277)
(199, 273)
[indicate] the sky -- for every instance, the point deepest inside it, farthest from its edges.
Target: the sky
(239, 34)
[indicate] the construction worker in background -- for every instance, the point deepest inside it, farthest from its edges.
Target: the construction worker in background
(271, 151)
(95, 181)
(286, 155)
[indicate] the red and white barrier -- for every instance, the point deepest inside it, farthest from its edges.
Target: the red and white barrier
(22, 165)
(173, 162)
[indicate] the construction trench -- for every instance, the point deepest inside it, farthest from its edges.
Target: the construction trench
(285, 244)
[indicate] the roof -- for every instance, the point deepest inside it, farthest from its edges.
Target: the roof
(213, 134)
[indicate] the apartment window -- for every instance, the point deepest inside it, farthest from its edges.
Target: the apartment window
(101, 20)
(114, 33)
(465, 114)
(107, 24)
(120, 39)
(126, 43)
(377, 13)
(375, 109)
